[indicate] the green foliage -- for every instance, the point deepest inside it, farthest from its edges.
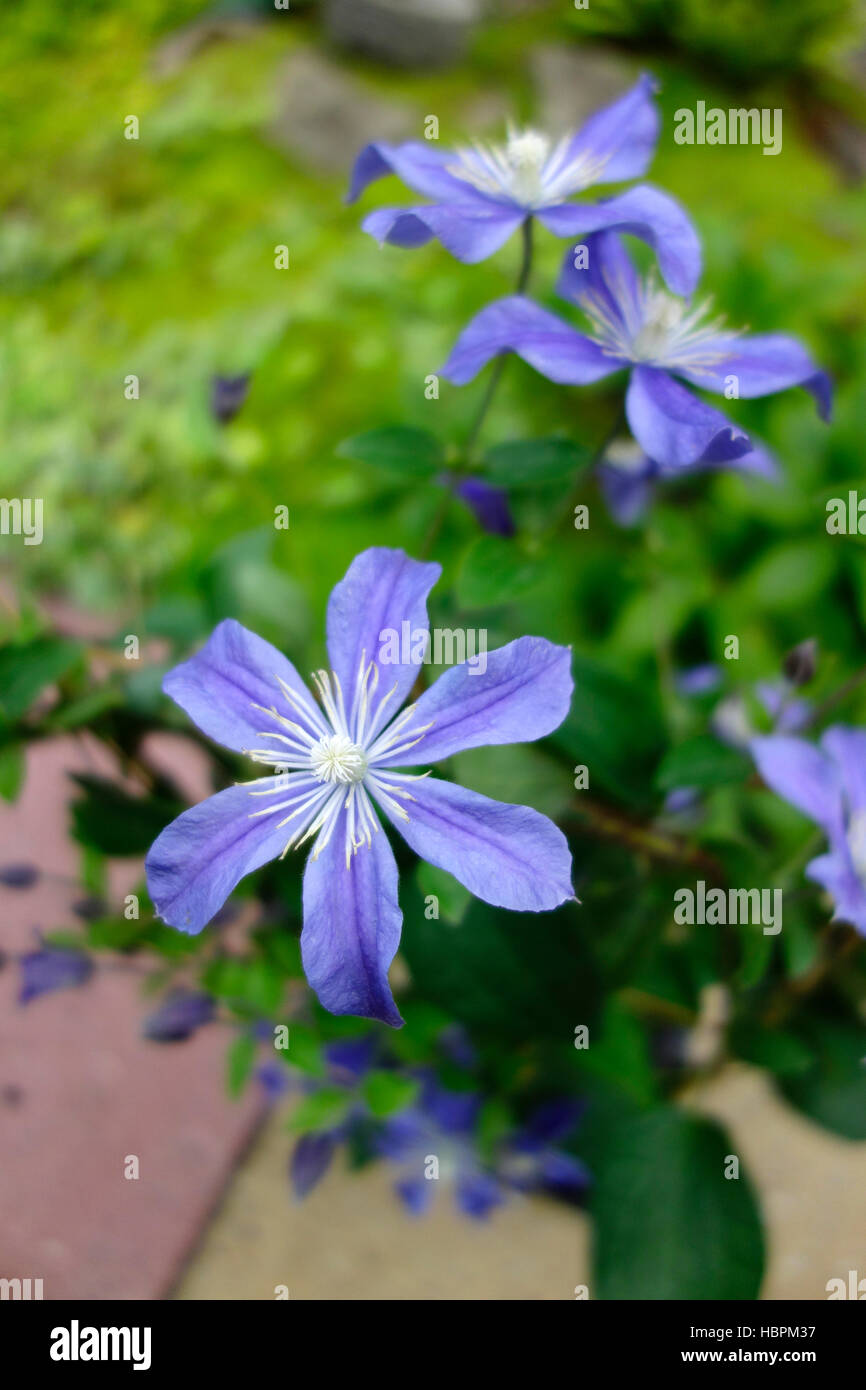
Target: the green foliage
(668, 1223)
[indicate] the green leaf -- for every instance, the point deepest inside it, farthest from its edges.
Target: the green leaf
(668, 1224)
(603, 734)
(385, 1093)
(490, 974)
(396, 448)
(523, 462)
(28, 668)
(453, 898)
(618, 1053)
(322, 1110)
(495, 571)
(108, 819)
(240, 1061)
(12, 766)
(304, 1050)
(85, 709)
(782, 1053)
(702, 762)
(832, 1091)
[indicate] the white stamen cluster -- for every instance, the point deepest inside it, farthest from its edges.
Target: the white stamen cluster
(529, 169)
(656, 328)
(326, 760)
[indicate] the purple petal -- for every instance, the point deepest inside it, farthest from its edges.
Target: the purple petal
(416, 1194)
(627, 495)
(471, 231)
(454, 1112)
(518, 325)
(847, 748)
(228, 394)
(52, 968)
(790, 713)
(382, 591)
(179, 1015)
(510, 856)
(524, 694)
(19, 875)
(419, 164)
(646, 213)
(803, 775)
(674, 427)
(233, 672)
(763, 364)
(200, 858)
(758, 460)
(273, 1077)
(836, 875)
(477, 1194)
(310, 1161)
(351, 1058)
(608, 281)
(552, 1121)
(489, 506)
(698, 680)
(563, 1173)
(352, 927)
(623, 134)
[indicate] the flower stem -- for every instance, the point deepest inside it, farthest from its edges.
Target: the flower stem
(464, 461)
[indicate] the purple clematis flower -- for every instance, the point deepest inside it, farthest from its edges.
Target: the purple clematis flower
(336, 761)
(828, 784)
(481, 195)
(637, 325)
(433, 1142)
(628, 477)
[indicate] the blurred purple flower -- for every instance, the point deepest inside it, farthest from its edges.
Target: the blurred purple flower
(180, 1014)
(698, 680)
(482, 194)
(51, 968)
(828, 784)
(488, 504)
(333, 763)
(656, 337)
(433, 1141)
(310, 1160)
(19, 875)
(629, 478)
(228, 394)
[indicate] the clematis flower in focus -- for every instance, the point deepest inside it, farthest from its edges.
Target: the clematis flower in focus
(481, 195)
(337, 761)
(828, 784)
(638, 326)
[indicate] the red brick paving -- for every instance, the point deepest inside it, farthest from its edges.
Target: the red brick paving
(80, 1090)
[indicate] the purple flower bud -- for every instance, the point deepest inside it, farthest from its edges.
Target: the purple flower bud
(489, 506)
(800, 663)
(228, 394)
(19, 875)
(52, 968)
(179, 1015)
(310, 1161)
